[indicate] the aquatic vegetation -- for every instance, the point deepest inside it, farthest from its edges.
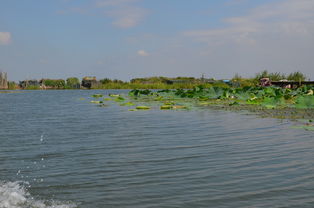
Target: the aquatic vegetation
(114, 95)
(132, 110)
(142, 107)
(97, 95)
(166, 107)
(96, 101)
(5, 92)
(307, 126)
(305, 102)
(127, 104)
(137, 92)
(265, 101)
(257, 97)
(179, 107)
(119, 99)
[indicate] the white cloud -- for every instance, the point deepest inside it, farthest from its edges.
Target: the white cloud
(5, 38)
(275, 36)
(127, 17)
(125, 13)
(284, 19)
(142, 53)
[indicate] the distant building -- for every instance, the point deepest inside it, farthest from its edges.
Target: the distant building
(265, 81)
(27, 83)
(3, 81)
(90, 82)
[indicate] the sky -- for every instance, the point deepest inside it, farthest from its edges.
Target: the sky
(124, 39)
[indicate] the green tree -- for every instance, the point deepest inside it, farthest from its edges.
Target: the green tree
(105, 81)
(274, 76)
(261, 75)
(296, 76)
(73, 82)
(277, 76)
(54, 83)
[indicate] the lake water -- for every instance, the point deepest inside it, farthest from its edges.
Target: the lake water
(57, 151)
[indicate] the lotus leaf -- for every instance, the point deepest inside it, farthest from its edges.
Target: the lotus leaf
(119, 99)
(97, 95)
(114, 95)
(306, 127)
(96, 101)
(127, 104)
(304, 102)
(132, 110)
(142, 107)
(166, 107)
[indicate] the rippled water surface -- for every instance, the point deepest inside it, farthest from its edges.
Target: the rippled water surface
(59, 151)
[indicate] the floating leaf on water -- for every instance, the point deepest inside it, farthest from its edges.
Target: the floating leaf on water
(158, 98)
(132, 110)
(114, 95)
(169, 103)
(305, 127)
(96, 101)
(166, 107)
(107, 99)
(204, 103)
(142, 107)
(127, 104)
(179, 107)
(119, 99)
(97, 95)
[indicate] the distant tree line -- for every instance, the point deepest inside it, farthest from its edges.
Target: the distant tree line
(151, 82)
(273, 76)
(277, 76)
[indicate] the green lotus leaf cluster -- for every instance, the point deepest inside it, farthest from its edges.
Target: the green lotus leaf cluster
(97, 95)
(273, 101)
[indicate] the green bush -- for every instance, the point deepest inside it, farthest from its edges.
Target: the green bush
(12, 86)
(54, 83)
(72, 83)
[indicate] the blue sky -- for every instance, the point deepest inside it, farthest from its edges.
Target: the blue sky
(124, 39)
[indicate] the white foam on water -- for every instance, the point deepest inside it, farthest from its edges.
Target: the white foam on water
(15, 195)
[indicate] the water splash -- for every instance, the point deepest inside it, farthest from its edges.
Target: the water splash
(41, 137)
(15, 195)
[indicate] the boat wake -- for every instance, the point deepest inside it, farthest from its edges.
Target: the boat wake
(15, 195)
